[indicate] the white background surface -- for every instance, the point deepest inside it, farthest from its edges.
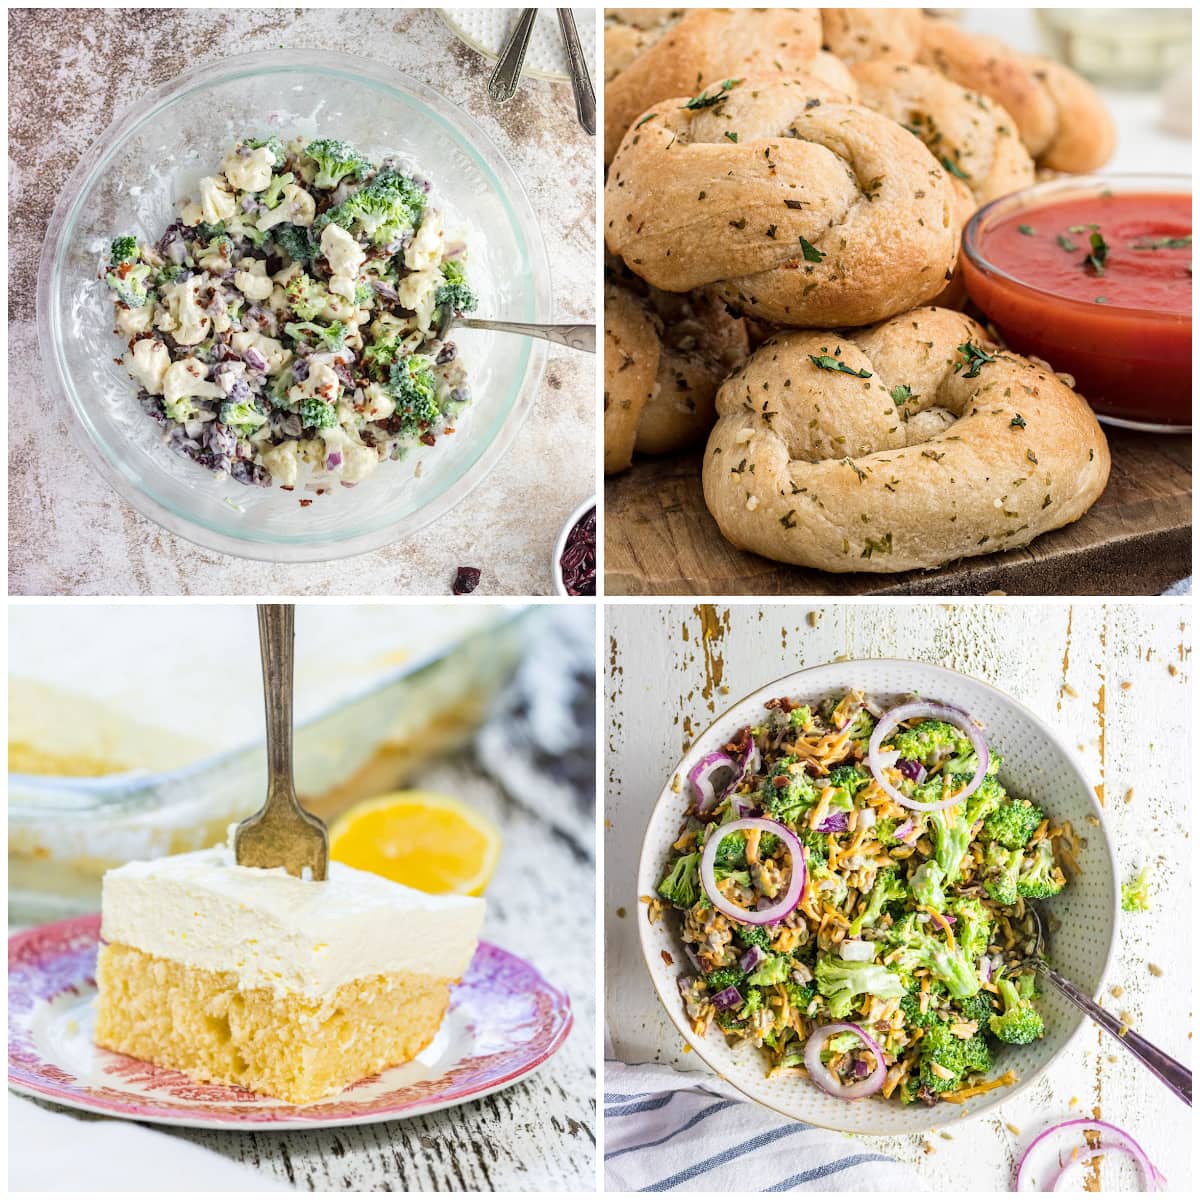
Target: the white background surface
(665, 682)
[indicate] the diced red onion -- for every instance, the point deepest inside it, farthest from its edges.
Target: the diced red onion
(795, 888)
(904, 831)
(861, 1069)
(939, 712)
(825, 1079)
(254, 359)
(1120, 1142)
(750, 960)
(911, 769)
(727, 998)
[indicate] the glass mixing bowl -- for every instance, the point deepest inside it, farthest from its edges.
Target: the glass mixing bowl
(131, 180)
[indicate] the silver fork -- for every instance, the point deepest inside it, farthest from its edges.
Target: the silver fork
(574, 337)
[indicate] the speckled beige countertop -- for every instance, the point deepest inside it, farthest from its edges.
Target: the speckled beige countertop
(70, 71)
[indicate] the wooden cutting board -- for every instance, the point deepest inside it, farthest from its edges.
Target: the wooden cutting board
(659, 539)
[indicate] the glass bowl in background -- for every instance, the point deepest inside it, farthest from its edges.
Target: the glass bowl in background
(131, 181)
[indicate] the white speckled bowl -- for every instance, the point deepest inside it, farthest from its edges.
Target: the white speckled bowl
(130, 180)
(1036, 764)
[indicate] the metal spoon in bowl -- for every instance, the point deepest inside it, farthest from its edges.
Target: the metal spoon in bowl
(503, 84)
(575, 337)
(1174, 1074)
(581, 79)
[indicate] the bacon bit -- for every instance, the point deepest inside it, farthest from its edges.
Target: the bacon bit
(448, 429)
(667, 958)
(428, 439)
(305, 503)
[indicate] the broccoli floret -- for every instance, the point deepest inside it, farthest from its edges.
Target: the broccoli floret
(926, 886)
(273, 193)
(886, 889)
(1135, 895)
(242, 416)
(840, 982)
(272, 143)
(454, 293)
(831, 888)
(364, 295)
(862, 726)
(306, 296)
(951, 838)
(753, 935)
(977, 1008)
(1020, 1023)
(768, 845)
(788, 802)
(885, 831)
(1001, 867)
(777, 969)
(731, 852)
(722, 978)
(130, 283)
(682, 884)
(973, 926)
(411, 383)
(296, 242)
(382, 353)
(331, 337)
(1039, 877)
(316, 413)
(206, 232)
(800, 995)
(928, 742)
(919, 948)
(910, 1005)
(850, 777)
(946, 1060)
(124, 249)
(752, 1003)
(1013, 823)
(799, 717)
(384, 209)
(335, 160)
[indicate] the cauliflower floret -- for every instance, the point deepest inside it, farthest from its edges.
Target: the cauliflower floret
(322, 383)
(135, 320)
(230, 373)
(216, 202)
(297, 207)
(379, 403)
(183, 317)
(147, 361)
(184, 380)
(283, 463)
(284, 277)
(425, 250)
(357, 462)
(255, 283)
(217, 261)
(271, 350)
(339, 308)
(418, 291)
(345, 256)
(251, 172)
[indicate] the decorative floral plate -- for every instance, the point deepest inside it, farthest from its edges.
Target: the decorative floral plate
(504, 1021)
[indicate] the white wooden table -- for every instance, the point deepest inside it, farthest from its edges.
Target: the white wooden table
(1070, 664)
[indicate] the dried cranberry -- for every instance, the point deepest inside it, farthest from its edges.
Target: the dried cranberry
(578, 561)
(466, 580)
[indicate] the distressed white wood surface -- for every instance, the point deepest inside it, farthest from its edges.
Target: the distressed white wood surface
(1069, 664)
(69, 533)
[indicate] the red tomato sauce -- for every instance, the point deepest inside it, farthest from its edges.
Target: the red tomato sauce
(1100, 287)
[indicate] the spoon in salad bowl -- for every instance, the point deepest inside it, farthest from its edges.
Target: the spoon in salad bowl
(574, 337)
(281, 833)
(1174, 1074)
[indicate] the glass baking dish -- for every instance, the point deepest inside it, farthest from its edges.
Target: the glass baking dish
(419, 694)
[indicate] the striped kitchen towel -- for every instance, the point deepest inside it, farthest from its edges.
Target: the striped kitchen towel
(668, 1131)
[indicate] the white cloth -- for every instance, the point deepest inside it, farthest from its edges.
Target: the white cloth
(666, 1130)
(59, 1150)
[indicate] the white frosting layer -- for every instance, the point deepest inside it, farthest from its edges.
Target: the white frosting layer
(284, 933)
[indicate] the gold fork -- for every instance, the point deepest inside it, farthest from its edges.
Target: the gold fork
(281, 833)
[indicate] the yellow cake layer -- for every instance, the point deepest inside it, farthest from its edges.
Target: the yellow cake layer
(292, 1047)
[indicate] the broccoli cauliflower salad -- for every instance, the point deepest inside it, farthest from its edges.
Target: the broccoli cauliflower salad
(853, 887)
(285, 329)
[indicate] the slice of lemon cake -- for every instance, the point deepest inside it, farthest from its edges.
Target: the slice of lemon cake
(289, 988)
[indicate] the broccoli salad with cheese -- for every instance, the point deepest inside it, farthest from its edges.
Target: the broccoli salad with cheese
(285, 329)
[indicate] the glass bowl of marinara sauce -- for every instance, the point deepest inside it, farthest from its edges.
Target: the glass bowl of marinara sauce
(1094, 275)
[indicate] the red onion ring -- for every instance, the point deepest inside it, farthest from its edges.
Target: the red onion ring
(757, 916)
(700, 777)
(939, 712)
(1123, 1143)
(825, 1079)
